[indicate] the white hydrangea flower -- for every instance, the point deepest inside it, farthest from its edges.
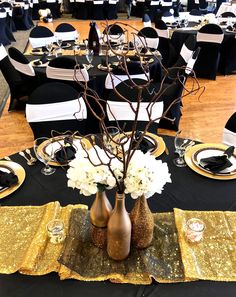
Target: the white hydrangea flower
(145, 175)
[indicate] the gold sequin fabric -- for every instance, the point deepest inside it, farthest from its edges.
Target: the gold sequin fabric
(214, 257)
(162, 260)
(24, 244)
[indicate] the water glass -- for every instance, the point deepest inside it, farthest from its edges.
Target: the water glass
(194, 230)
(56, 231)
(89, 57)
(49, 47)
(59, 42)
(43, 157)
(181, 144)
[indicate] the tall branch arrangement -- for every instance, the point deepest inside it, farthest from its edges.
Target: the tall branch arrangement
(124, 150)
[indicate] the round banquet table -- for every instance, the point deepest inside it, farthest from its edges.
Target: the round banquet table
(188, 190)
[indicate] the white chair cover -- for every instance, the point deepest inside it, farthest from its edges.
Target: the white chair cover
(112, 79)
(229, 137)
(66, 35)
(214, 38)
(42, 41)
(58, 111)
(163, 33)
(186, 53)
(67, 74)
(143, 41)
(121, 111)
(23, 68)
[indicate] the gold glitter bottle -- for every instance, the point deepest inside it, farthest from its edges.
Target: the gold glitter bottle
(142, 223)
(119, 231)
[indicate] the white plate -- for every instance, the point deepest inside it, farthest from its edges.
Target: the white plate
(210, 152)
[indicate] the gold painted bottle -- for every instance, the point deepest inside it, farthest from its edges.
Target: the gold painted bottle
(100, 210)
(119, 231)
(142, 224)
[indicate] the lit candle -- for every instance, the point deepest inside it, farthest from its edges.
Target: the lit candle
(194, 230)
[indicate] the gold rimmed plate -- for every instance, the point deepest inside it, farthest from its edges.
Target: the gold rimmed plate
(156, 140)
(50, 146)
(17, 169)
(194, 154)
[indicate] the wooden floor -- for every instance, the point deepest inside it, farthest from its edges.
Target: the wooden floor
(203, 118)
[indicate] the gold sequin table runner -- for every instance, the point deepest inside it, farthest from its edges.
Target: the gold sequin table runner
(214, 257)
(161, 261)
(24, 247)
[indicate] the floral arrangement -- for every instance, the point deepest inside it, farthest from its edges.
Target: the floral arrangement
(145, 175)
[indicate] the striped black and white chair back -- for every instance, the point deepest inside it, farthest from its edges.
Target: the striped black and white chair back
(162, 29)
(147, 20)
(52, 5)
(147, 37)
(135, 71)
(63, 68)
(209, 39)
(4, 39)
(154, 6)
(166, 6)
(228, 14)
(140, 7)
(20, 62)
(81, 9)
(229, 133)
(40, 36)
(66, 32)
(55, 106)
(120, 111)
(10, 26)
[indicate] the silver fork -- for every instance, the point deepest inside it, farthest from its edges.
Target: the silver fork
(32, 159)
(22, 154)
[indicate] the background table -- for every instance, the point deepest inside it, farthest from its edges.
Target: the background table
(188, 190)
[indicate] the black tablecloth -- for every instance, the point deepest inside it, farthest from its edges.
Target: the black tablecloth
(188, 190)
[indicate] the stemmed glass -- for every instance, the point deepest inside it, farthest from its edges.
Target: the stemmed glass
(89, 57)
(185, 23)
(181, 145)
(59, 42)
(44, 157)
(49, 47)
(111, 132)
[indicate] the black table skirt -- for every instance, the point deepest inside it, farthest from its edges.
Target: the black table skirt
(188, 190)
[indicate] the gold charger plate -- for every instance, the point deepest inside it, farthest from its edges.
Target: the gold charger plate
(18, 170)
(160, 144)
(195, 167)
(43, 146)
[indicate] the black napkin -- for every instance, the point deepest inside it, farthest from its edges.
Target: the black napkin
(36, 50)
(104, 62)
(7, 179)
(145, 145)
(230, 28)
(66, 153)
(218, 163)
(43, 60)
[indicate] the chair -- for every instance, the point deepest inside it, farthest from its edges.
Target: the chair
(166, 5)
(21, 17)
(98, 13)
(154, 6)
(20, 62)
(168, 17)
(81, 11)
(173, 91)
(184, 56)
(227, 63)
(40, 36)
(114, 33)
(112, 10)
(66, 32)
(147, 37)
(55, 106)
(229, 133)
(52, 5)
(228, 14)
(118, 75)
(3, 27)
(35, 9)
(10, 26)
(165, 47)
(140, 8)
(63, 69)
(209, 38)
(146, 20)
(195, 16)
(19, 86)
(120, 111)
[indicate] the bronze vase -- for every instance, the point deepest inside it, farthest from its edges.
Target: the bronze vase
(99, 215)
(100, 210)
(119, 231)
(142, 224)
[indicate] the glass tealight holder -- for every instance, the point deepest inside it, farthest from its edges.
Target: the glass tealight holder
(194, 230)
(56, 231)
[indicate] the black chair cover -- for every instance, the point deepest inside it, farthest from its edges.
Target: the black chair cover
(98, 11)
(4, 39)
(81, 10)
(40, 32)
(111, 11)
